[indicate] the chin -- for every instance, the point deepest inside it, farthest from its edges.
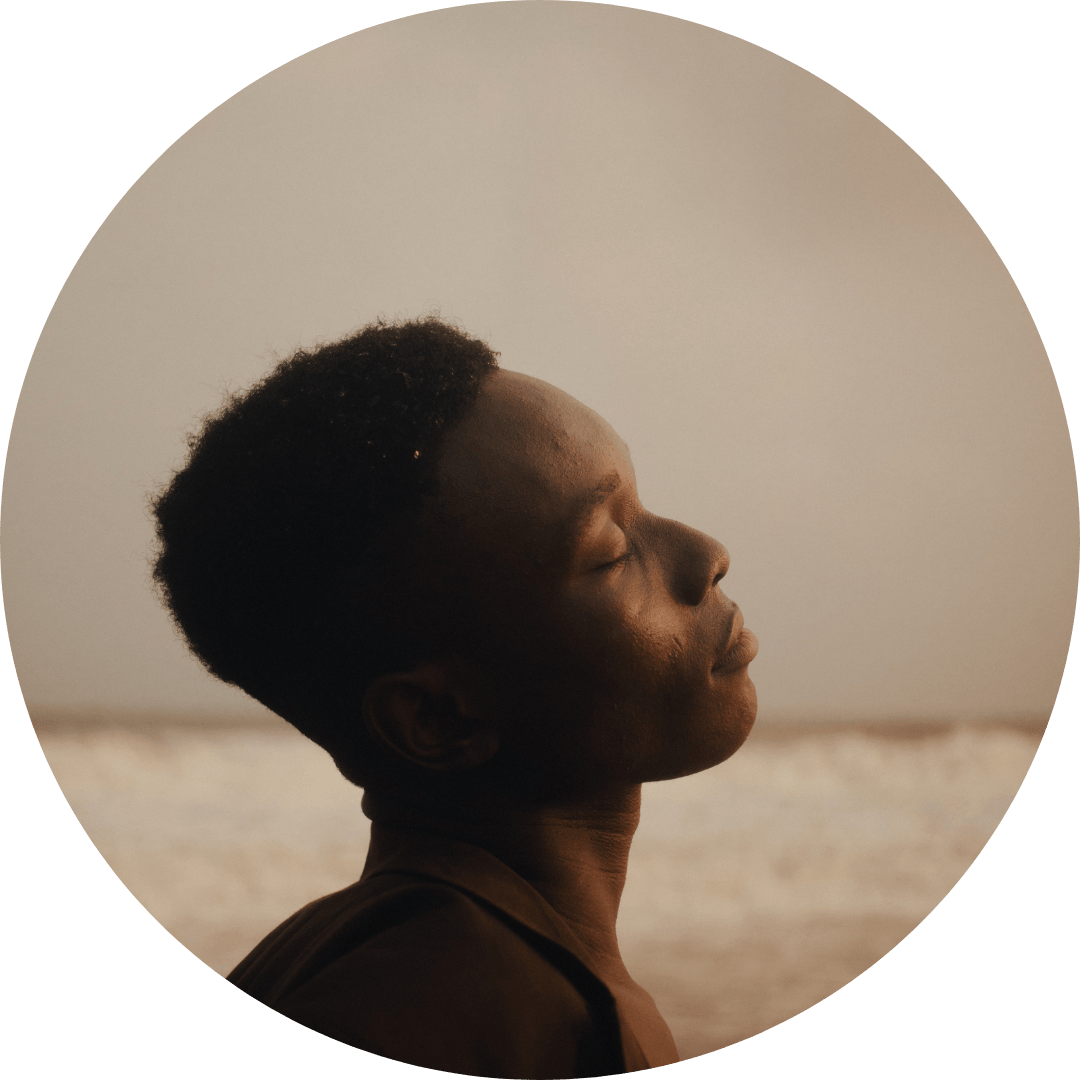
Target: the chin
(747, 715)
(728, 735)
(708, 754)
(743, 722)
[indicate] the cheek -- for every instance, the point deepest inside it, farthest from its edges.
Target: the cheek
(632, 674)
(623, 681)
(643, 644)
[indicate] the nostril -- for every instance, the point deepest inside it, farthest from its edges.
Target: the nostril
(723, 561)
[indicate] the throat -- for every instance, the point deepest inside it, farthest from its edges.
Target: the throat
(574, 855)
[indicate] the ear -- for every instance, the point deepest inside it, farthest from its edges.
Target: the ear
(421, 716)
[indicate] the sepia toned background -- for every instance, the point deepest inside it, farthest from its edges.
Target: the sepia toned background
(812, 351)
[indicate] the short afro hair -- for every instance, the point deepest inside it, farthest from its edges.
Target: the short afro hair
(284, 541)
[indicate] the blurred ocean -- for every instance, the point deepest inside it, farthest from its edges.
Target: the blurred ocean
(755, 889)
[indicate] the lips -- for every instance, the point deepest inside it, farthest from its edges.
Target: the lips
(741, 649)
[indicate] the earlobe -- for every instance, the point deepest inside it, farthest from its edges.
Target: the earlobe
(417, 716)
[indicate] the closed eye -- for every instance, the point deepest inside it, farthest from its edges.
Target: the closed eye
(619, 560)
(614, 562)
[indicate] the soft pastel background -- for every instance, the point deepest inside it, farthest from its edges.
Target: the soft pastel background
(812, 350)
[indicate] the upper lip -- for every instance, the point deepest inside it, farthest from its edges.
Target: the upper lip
(734, 637)
(737, 623)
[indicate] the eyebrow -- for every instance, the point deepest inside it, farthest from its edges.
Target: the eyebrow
(609, 484)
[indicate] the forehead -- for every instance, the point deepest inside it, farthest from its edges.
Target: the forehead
(529, 455)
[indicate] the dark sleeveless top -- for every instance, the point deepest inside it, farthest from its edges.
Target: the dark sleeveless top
(441, 956)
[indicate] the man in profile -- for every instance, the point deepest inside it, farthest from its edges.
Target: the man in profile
(440, 571)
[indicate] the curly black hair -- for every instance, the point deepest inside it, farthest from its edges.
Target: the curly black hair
(284, 541)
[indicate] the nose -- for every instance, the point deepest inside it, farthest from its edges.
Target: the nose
(695, 562)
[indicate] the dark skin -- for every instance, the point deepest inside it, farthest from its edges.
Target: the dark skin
(608, 658)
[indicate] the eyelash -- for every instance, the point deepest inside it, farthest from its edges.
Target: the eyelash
(624, 557)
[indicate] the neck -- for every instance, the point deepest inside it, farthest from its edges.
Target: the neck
(574, 854)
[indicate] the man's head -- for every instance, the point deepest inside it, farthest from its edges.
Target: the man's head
(284, 542)
(541, 632)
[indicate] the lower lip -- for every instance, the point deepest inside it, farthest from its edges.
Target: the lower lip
(740, 654)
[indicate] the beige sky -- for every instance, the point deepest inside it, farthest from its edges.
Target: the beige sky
(812, 350)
